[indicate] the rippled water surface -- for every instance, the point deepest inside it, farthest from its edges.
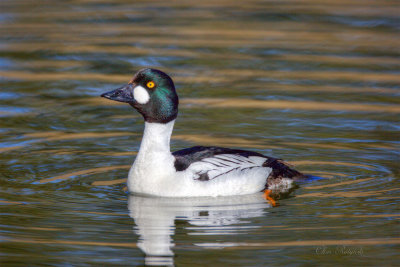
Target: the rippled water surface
(313, 82)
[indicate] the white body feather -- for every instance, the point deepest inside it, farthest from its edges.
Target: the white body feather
(153, 172)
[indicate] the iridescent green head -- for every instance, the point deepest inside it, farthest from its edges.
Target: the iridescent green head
(152, 93)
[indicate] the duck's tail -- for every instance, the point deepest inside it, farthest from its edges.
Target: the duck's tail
(284, 178)
(281, 170)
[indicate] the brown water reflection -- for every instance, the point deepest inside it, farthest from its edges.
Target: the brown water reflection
(360, 216)
(302, 105)
(71, 242)
(339, 184)
(89, 171)
(353, 242)
(349, 193)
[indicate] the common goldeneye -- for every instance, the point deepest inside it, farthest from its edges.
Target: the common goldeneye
(196, 171)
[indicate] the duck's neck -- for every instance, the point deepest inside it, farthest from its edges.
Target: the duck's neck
(154, 162)
(156, 137)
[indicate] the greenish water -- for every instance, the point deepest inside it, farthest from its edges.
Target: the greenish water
(312, 82)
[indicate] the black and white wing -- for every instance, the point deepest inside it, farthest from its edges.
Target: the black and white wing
(208, 163)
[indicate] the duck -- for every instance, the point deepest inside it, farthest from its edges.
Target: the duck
(199, 171)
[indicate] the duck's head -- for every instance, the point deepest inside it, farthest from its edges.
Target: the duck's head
(152, 93)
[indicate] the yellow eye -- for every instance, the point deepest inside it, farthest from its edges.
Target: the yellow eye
(150, 85)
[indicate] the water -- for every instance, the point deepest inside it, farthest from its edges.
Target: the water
(314, 83)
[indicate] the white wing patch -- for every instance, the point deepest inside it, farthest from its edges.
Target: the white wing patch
(223, 164)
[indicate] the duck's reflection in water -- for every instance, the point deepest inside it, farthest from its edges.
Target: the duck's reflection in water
(154, 218)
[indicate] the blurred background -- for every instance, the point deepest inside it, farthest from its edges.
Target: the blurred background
(313, 82)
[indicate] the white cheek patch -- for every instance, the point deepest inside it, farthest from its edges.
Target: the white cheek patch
(140, 94)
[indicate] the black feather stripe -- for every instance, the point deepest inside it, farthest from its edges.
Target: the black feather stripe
(215, 164)
(233, 169)
(227, 160)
